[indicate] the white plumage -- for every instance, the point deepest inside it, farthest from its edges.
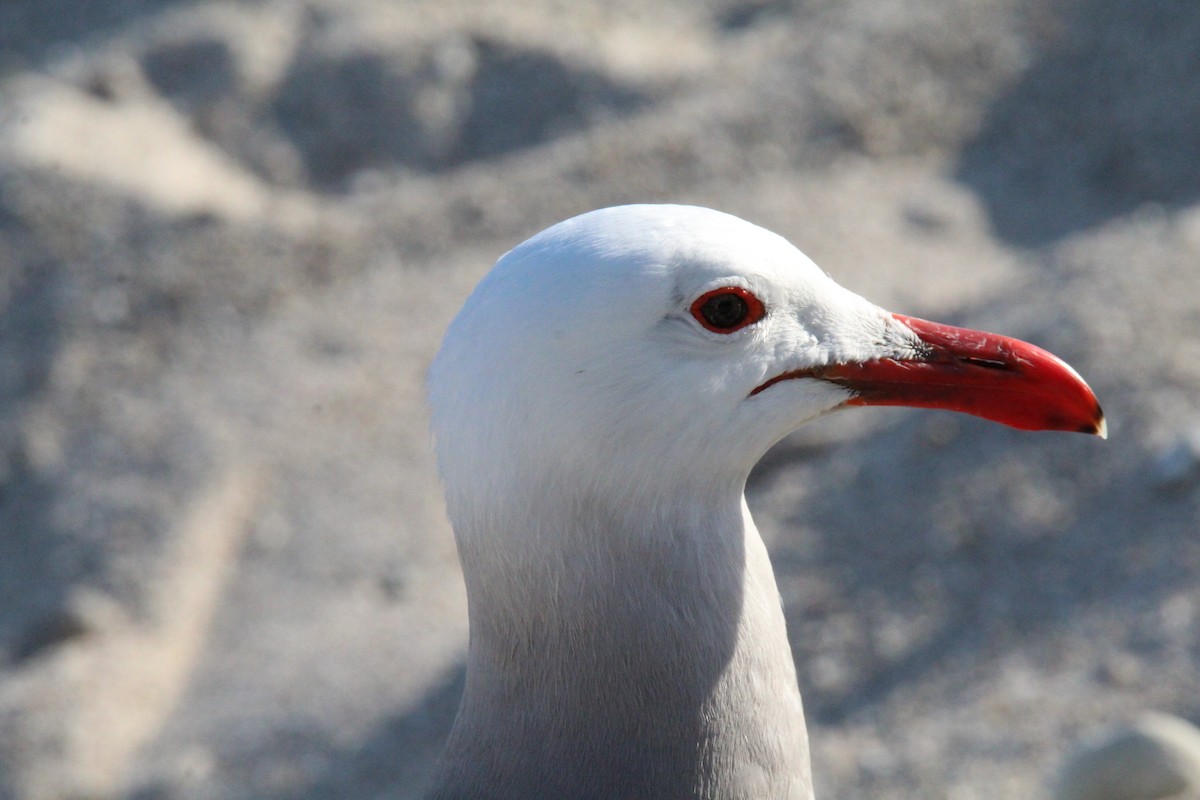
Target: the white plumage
(597, 406)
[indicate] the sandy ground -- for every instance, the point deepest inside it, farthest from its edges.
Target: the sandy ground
(231, 235)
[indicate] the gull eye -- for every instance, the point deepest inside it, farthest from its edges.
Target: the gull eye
(727, 309)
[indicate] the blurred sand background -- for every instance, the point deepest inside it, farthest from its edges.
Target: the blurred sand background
(231, 235)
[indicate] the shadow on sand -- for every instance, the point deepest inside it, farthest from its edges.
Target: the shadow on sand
(1106, 119)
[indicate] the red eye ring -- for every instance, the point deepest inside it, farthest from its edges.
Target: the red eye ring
(728, 309)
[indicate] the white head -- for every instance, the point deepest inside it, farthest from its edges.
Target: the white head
(581, 357)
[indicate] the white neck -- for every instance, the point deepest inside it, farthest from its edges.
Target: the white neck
(619, 654)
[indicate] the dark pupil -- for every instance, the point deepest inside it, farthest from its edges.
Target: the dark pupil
(724, 310)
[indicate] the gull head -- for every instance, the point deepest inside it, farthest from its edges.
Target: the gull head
(644, 348)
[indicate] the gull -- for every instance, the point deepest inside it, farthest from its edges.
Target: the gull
(597, 406)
